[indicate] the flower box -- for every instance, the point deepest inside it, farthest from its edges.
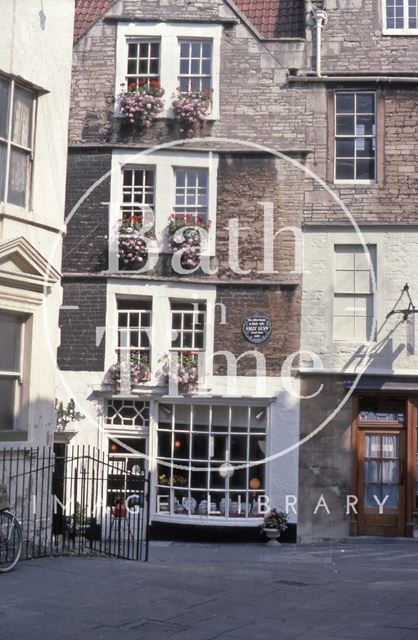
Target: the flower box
(185, 235)
(191, 109)
(132, 244)
(141, 102)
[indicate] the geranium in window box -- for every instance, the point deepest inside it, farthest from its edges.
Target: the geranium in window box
(186, 372)
(184, 234)
(140, 102)
(139, 371)
(132, 247)
(191, 108)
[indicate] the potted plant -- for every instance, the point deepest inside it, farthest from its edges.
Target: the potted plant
(132, 247)
(274, 523)
(139, 371)
(189, 240)
(67, 414)
(141, 102)
(186, 373)
(191, 109)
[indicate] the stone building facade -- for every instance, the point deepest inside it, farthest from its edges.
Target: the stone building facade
(36, 49)
(359, 425)
(312, 127)
(208, 446)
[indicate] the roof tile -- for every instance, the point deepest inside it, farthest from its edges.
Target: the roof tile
(272, 18)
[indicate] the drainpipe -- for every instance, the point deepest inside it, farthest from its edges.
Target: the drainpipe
(319, 17)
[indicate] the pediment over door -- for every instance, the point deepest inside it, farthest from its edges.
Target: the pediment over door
(23, 267)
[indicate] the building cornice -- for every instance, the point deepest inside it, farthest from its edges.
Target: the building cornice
(282, 281)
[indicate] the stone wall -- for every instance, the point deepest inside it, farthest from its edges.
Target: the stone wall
(324, 461)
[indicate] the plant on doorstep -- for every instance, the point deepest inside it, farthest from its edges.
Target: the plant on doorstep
(191, 109)
(184, 235)
(141, 102)
(274, 523)
(133, 249)
(185, 372)
(139, 371)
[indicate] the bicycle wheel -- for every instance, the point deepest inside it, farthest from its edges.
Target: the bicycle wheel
(10, 541)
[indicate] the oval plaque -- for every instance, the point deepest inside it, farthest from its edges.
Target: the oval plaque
(257, 328)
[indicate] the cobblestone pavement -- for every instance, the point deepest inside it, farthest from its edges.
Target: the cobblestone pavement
(207, 592)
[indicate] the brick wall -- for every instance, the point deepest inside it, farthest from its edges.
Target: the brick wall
(281, 305)
(85, 245)
(78, 350)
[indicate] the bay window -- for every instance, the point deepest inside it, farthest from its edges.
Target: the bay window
(210, 460)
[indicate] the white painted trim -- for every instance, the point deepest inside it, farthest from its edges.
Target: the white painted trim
(160, 338)
(169, 34)
(397, 32)
(164, 165)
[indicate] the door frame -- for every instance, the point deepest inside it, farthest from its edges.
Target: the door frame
(409, 509)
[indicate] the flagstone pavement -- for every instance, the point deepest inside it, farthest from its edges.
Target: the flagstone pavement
(230, 592)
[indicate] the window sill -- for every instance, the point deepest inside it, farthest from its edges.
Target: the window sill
(13, 436)
(400, 32)
(360, 183)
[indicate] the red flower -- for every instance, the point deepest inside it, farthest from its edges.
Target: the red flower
(132, 86)
(155, 84)
(141, 82)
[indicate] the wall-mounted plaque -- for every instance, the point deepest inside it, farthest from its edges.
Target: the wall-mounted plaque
(256, 329)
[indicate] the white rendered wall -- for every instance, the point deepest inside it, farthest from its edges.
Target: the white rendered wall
(397, 264)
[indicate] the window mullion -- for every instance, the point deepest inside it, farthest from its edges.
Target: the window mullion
(9, 137)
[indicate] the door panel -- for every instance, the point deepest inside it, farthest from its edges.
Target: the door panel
(381, 482)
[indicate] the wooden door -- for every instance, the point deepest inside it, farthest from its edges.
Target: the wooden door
(381, 468)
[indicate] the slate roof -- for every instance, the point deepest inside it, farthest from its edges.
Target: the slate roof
(271, 18)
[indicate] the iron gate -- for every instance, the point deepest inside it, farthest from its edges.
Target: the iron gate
(78, 503)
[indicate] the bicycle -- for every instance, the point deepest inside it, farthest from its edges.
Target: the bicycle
(10, 540)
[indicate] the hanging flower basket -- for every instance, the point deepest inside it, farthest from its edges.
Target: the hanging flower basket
(191, 109)
(141, 102)
(186, 375)
(190, 240)
(133, 250)
(139, 372)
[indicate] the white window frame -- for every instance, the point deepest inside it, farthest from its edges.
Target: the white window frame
(170, 35)
(185, 311)
(128, 330)
(340, 294)
(138, 208)
(7, 141)
(16, 376)
(164, 165)
(216, 494)
(160, 339)
(405, 31)
(355, 137)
